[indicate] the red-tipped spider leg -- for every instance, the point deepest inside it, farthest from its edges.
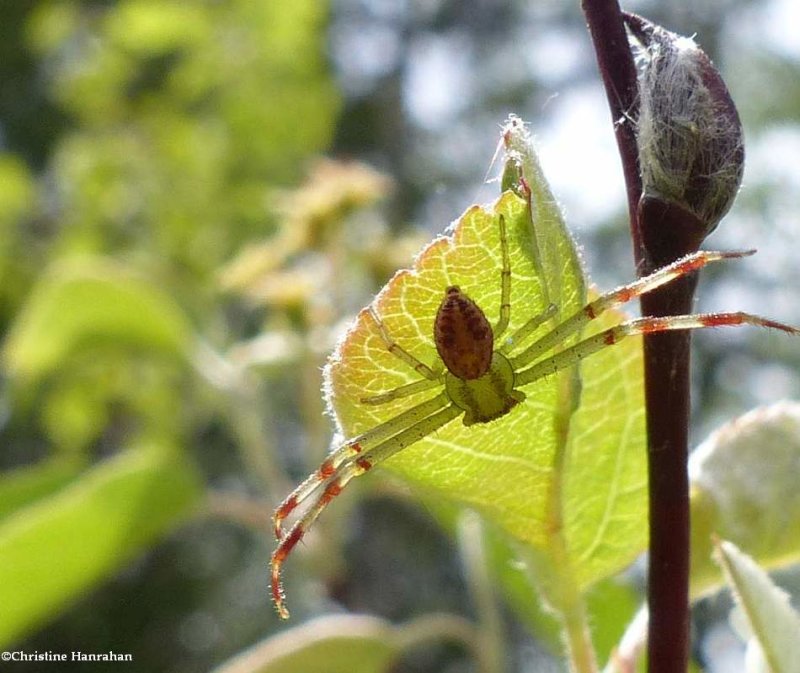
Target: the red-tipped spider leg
(621, 295)
(361, 444)
(697, 321)
(296, 532)
(647, 325)
(324, 472)
(278, 557)
(353, 468)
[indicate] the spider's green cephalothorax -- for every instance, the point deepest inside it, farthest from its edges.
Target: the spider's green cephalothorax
(486, 398)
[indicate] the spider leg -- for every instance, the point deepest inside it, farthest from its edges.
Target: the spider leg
(505, 283)
(619, 296)
(528, 328)
(351, 449)
(340, 478)
(401, 391)
(573, 354)
(397, 350)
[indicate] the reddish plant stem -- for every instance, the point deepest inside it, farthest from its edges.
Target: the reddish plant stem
(667, 387)
(660, 234)
(618, 72)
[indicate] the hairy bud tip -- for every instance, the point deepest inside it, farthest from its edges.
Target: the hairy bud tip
(691, 148)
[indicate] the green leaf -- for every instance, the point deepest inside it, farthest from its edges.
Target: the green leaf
(56, 549)
(478, 464)
(564, 471)
(612, 605)
(89, 302)
(605, 482)
(774, 625)
(25, 485)
(336, 644)
(744, 489)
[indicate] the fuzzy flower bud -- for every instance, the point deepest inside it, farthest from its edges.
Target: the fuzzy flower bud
(691, 149)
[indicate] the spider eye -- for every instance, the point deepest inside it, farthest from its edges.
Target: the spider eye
(452, 290)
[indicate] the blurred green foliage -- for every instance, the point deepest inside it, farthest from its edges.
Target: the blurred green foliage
(185, 115)
(146, 143)
(65, 542)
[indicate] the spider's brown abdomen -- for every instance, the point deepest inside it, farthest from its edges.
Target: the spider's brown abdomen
(463, 336)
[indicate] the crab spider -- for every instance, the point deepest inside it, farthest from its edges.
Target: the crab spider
(480, 382)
